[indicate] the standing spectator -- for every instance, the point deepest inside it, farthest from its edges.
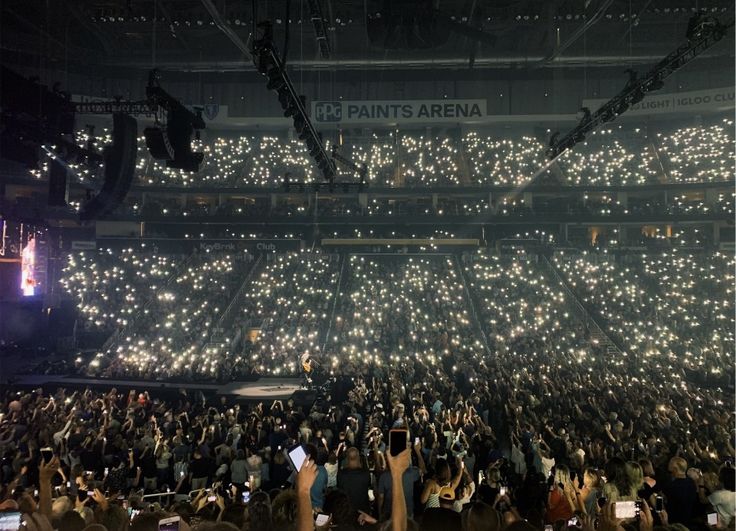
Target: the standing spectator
(355, 480)
(199, 471)
(317, 492)
(116, 480)
(560, 502)
(238, 469)
(253, 464)
(149, 469)
(724, 499)
(332, 467)
(681, 493)
(587, 496)
(410, 476)
(163, 464)
(433, 486)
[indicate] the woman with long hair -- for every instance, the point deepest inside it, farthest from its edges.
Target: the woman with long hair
(561, 500)
(587, 496)
(636, 479)
(618, 485)
(490, 487)
(443, 478)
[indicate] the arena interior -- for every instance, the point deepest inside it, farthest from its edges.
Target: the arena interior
(285, 265)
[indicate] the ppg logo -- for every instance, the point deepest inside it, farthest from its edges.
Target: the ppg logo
(328, 111)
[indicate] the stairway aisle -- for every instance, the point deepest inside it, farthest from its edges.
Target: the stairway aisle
(471, 305)
(597, 333)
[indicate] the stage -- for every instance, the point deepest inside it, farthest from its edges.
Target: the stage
(262, 389)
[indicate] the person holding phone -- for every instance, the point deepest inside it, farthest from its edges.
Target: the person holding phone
(116, 480)
(319, 485)
(586, 498)
(399, 465)
(411, 475)
(305, 479)
(560, 500)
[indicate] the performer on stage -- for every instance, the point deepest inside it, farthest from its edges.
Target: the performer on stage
(307, 361)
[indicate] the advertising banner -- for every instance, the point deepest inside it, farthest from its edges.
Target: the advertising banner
(682, 102)
(397, 111)
(187, 245)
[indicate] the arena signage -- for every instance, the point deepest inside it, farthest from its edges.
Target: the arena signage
(84, 245)
(187, 245)
(692, 101)
(397, 111)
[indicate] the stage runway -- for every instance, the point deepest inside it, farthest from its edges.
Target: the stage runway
(263, 389)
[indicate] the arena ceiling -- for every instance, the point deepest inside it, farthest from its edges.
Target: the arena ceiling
(187, 35)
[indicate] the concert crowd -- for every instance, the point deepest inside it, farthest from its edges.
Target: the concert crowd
(521, 413)
(615, 156)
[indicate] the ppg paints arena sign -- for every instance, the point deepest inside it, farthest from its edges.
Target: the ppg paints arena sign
(395, 111)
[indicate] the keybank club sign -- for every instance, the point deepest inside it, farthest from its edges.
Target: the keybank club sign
(397, 111)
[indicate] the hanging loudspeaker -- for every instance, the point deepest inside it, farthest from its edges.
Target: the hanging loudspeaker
(119, 160)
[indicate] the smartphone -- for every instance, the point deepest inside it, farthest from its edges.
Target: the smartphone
(90, 493)
(297, 456)
(503, 491)
(35, 493)
(107, 470)
(371, 495)
(626, 509)
(416, 441)
(481, 477)
(659, 504)
(398, 440)
(548, 528)
(573, 521)
(134, 513)
(47, 454)
(10, 521)
(321, 519)
(181, 474)
(246, 496)
(712, 518)
(169, 524)
(212, 498)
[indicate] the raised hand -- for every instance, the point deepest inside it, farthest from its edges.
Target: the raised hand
(306, 477)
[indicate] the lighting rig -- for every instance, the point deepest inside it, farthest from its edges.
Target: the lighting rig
(35, 120)
(703, 32)
(318, 22)
(269, 64)
(170, 137)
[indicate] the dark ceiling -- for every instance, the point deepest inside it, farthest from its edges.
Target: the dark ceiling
(183, 34)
